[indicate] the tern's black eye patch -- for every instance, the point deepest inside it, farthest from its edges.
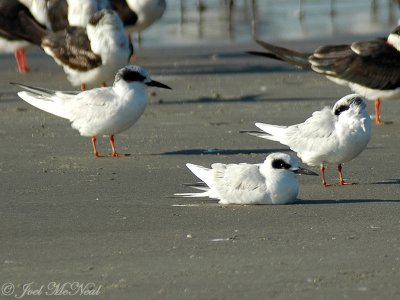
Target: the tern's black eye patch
(341, 109)
(129, 75)
(280, 164)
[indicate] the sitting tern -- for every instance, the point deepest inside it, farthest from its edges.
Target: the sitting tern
(272, 182)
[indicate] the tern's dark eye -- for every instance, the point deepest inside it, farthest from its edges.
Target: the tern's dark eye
(341, 109)
(280, 164)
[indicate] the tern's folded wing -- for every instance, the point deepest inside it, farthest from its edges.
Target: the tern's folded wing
(316, 132)
(237, 178)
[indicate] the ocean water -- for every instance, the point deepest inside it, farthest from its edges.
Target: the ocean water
(184, 24)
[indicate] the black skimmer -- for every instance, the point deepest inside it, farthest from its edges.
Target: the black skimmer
(57, 15)
(12, 31)
(90, 55)
(369, 68)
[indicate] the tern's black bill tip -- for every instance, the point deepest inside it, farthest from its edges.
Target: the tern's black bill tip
(158, 84)
(305, 172)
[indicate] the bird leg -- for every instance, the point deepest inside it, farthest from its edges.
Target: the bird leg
(19, 59)
(96, 153)
(378, 112)
(133, 57)
(322, 169)
(103, 84)
(83, 87)
(114, 150)
(341, 180)
(23, 58)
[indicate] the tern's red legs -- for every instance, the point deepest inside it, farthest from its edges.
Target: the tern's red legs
(322, 169)
(20, 57)
(378, 112)
(114, 150)
(96, 153)
(341, 180)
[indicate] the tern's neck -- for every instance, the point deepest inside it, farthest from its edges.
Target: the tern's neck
(126, 90)
(353, 121)
(282, 185)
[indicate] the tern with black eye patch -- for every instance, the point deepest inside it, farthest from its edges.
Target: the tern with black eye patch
(331, 135)
(99, 111)
(272, 182)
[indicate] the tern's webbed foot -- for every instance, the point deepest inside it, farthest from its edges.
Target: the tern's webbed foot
(116, 154)
(347, 183)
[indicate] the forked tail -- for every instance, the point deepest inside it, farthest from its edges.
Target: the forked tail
(41, 98)
(270, 132)
(292, 57)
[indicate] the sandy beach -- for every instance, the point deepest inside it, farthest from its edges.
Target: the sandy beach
(111, 222)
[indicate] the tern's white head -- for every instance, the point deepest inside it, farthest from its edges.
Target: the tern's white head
(394, 38)
(280, 170)
(349, 104)
(137, 77)
(284, 165)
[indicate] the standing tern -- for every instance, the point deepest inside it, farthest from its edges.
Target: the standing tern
(334, 135)
(105, 111)
(369, 68)
(272, 182)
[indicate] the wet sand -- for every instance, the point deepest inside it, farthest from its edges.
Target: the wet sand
(68, 217)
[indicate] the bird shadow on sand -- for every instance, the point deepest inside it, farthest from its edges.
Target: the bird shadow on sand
(222, 151)
(387, 181)
(346, 201)
(243, 99)
(214, 202)
(225, 69)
